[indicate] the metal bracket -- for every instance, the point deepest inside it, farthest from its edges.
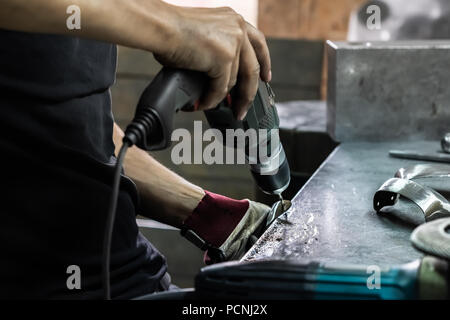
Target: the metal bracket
(432, 203)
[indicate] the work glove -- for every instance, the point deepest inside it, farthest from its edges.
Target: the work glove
(224, 227)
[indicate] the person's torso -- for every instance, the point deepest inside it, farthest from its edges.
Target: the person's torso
(58, 155)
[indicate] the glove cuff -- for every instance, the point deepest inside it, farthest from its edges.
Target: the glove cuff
(215, 218)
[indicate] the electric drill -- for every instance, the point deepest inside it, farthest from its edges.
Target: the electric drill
(151, 129)
(176, 89)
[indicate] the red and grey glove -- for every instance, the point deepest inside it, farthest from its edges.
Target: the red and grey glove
(224, 226)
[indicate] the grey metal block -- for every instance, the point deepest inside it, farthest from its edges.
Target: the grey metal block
(388, 90)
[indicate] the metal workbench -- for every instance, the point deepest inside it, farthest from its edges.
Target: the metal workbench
(332, 218)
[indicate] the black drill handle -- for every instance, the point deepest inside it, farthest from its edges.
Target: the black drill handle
(170, 91)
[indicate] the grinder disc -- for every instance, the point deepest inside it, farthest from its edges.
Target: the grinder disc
(433, 238)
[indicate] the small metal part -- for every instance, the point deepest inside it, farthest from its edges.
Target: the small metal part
(432, 203)
(414, 155)
(445, 143)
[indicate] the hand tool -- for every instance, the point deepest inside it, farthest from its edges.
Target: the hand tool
(414, 155)
(175, 89)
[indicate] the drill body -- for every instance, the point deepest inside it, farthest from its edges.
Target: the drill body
(175, 89)
(263, 149)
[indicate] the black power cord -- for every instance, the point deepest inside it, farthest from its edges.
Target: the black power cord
(171, 90)
(142, 127)
(110, 218)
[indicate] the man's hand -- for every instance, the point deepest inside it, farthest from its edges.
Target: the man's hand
(220, 43)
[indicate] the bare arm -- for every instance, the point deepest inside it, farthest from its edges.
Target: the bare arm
(148, 25)
(216, 41)
(165, 195)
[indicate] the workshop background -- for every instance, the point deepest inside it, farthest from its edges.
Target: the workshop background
(296, 31)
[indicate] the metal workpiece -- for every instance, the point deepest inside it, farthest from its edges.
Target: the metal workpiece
(388, 91)
(433, 204)
(445, 143)
(434, 176)
(332, 219)
(425, 185)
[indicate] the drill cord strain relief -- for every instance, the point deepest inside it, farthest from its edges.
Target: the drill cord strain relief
(139, 129)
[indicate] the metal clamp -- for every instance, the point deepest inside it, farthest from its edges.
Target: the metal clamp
(445, 143)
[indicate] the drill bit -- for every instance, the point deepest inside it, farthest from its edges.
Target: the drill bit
(284, 205)
(271, 94)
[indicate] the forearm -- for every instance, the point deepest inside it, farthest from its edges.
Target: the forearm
(144, 24)
(165, 196)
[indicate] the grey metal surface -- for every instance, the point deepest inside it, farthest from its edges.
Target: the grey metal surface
(388, 90)
(332, 219)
